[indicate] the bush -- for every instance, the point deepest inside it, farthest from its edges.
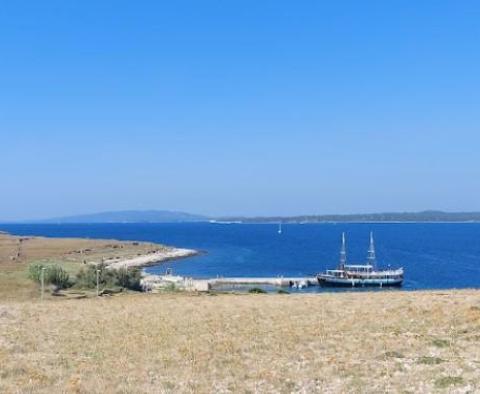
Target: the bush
(447, 381)
(35, 272)
(128, 279)
(108, 278)
(57, 276)
(256, 290)
(429, 360)
(440, 343)
(53, 275)
(87, 277)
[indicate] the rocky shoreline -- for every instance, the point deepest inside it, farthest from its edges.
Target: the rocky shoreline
(152, 258)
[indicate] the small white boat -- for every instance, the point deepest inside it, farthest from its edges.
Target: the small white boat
(280, 228)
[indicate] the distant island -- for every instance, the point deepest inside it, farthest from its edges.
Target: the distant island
(163, 216)
(131, 216)
(388, 217)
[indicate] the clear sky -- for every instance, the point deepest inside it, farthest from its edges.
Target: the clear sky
(238, 107)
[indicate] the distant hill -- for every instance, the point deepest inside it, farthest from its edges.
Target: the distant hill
(424, 216)
(151, 216)
(157, 216)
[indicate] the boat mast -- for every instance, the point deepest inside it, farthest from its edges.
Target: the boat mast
(343, 254)
(371, 258)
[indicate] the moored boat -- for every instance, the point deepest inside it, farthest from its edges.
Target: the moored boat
(360, 275)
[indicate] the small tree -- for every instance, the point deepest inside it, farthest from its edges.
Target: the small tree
(35, 272)
(87, 277)
(128, 279)
(58, 277)
(53, 274)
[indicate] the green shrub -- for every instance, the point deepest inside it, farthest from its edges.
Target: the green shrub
(35, 272)
(128, 279)
(394, 354)
(440, 343)
(57, 276)
(108, 278)
(87, 277)
(429, 360)
(53, 275)
(256, 290)
(447, 381)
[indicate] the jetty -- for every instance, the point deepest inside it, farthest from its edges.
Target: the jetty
(155, 283)
(275, 281)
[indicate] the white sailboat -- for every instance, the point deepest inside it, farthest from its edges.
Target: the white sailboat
(280, 228)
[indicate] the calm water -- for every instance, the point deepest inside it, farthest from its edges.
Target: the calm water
(433, 255)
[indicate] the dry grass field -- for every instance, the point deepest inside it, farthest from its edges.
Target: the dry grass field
(405, 342)
(378, 342)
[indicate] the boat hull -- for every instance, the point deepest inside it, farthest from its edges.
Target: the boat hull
(359, 282)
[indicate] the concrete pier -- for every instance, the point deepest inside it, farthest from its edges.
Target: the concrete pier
(278, 281)
(156, 283)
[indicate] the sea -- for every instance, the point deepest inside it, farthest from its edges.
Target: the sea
(433, 255)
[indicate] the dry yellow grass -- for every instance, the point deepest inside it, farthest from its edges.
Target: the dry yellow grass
(415, 342)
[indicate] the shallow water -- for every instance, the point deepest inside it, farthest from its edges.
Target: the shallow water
(434, 255)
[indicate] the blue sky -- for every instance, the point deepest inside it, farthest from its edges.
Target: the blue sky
(238, 107)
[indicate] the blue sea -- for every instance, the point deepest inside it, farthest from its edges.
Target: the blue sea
(434, 255)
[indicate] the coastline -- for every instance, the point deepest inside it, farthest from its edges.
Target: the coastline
(17, 252)
(153, 258)
(137, 254)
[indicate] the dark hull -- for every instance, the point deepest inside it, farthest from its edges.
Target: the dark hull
(358, 283)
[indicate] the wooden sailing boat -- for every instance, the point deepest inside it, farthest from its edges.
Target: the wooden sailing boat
(354, 275)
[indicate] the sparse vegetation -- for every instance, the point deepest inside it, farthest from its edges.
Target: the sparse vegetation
(394, 354)
(440, 343)
(256, 290)
(53, 275)
(70, 255)
(170, 287)
(86, 278)
(429, 360)
(181, 343)
(108, 278)
(447, 381)
(128, 279)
